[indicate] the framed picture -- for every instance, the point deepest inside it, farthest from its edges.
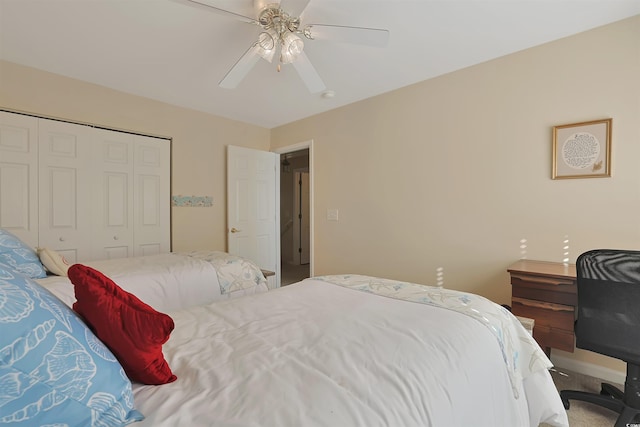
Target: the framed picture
(582, 150)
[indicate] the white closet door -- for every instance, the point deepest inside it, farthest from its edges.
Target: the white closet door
(151, 195)
(114, 197)
(66, 181)
(19, 176)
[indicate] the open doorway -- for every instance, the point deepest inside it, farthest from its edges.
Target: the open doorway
(295, 216)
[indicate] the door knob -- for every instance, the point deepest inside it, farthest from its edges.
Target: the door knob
(235, 230)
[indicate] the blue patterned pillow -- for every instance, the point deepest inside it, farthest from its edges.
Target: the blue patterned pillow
(53, 370)
(16, 254)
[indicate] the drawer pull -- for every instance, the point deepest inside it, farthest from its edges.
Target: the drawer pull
(542, 305)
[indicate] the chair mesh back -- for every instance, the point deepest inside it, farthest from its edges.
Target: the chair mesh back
(609, 303)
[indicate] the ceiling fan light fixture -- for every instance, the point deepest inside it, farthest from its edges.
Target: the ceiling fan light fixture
(292, 47)
(267, 40)
(266, 46)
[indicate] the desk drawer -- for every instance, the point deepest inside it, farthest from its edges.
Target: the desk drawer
(541, 281)
(565, 295)
(553, 322)
(549, 314)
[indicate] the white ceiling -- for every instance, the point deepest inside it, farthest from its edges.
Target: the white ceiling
(164, 50)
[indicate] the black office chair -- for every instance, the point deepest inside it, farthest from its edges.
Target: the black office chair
(608, 323)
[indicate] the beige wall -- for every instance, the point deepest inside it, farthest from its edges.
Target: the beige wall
(453, 172)
(198, 146)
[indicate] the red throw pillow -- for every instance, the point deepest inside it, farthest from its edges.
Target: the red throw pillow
(132, 330)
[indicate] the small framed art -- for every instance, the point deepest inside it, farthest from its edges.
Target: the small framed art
(582, 150)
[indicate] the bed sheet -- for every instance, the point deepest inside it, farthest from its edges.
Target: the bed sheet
(173, 281)
(318, 354)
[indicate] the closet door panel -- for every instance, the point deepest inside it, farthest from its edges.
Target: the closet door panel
(19, 176)
(151, 195)
(114, 203)
(65, 188)
(63, 199)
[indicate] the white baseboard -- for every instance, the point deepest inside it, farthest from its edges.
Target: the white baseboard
(607, 374)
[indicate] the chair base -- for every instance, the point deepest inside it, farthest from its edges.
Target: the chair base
(610, 397)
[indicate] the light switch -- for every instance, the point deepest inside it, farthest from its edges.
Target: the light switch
(332, 214)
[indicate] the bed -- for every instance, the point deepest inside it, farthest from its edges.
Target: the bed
(352, 351)
(344, 350)
(174, 280)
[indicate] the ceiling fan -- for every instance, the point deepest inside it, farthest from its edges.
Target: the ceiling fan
(281, 31)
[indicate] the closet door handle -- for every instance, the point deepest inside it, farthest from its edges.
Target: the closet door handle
(235, 230)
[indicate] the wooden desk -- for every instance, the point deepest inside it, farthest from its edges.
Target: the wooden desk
(547, 292)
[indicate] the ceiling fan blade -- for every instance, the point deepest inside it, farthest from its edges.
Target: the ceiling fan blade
(240, 68)
(294, 7)
(358, 35)
(205, 6)
(308, 74)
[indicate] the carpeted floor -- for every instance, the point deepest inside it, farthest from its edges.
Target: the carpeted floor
(293, 273)
(582, 414)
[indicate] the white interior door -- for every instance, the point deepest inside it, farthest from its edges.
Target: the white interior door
(19, 176)
(252, 208)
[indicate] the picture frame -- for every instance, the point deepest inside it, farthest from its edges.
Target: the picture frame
(582, 150)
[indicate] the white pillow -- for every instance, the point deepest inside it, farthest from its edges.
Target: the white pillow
(53, 261)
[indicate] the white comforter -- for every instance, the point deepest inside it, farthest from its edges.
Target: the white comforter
(318, 354)
(173, 281)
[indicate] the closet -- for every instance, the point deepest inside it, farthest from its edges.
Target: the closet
(88, 193)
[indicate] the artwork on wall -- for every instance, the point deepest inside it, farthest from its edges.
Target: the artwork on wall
(582, 150)
(192, 201)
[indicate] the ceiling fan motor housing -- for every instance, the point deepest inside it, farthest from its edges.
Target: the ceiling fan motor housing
(272, 17)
